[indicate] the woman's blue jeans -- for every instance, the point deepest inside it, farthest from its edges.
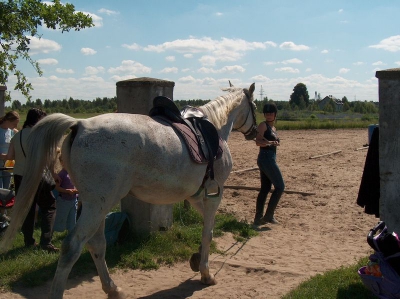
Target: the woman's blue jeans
(270, 174)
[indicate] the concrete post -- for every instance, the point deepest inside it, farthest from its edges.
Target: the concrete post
(136, 96)
(389, 147)
(2, 99)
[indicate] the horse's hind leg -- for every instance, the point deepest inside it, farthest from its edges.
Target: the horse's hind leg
(70, 251)
(97, 248)
(86, 227)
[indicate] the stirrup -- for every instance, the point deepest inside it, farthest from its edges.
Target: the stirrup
(207, 185)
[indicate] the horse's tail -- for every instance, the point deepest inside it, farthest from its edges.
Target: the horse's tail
(40, 152)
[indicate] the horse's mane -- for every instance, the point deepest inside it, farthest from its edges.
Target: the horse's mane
(218, 109)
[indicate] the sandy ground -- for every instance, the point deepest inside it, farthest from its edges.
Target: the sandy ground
(317, 233)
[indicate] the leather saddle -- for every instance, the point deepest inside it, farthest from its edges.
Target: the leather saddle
(191, 121)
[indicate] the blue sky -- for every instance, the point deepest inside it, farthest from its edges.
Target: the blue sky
(334, 47)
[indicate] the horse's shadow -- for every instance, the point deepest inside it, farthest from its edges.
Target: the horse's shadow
(183, 290)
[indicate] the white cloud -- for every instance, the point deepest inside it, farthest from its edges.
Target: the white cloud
(207, 81)
(130, 66)
(88, 51)
(397, 62)
(208, 60)
(219, 14)
(42, 45)
(287, 70)
(188, 55)
(260, 78)
(185, 70)
(187, 79)
(223, 50)
(117, 78)
(64, 71)
(233, 69)
(391, 44)
(340, 10)
(293, 47)
(379, 63)
(344, 70)
(358, 63)
(168, 70)
(324, 51)
(292, 61)
(267, 63)
(93, 78)
(93, 70)
(170, 58)
(134, 46)
(108, 12)
(48, 61)
(308, 69)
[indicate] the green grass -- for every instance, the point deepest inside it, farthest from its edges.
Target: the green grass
(322, 124)
(342, 283)
(33, 267)
(313, 122)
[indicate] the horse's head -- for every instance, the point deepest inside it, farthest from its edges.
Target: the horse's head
(248, 124)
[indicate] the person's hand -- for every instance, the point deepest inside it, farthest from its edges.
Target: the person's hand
(271, 143)
(71, 191)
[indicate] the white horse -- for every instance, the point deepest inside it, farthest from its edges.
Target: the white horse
(112, 155)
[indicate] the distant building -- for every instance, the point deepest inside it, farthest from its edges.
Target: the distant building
(338, 103)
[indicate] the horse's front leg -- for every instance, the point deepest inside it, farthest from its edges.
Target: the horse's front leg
(209, 208)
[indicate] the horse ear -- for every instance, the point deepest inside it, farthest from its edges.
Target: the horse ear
(251, 89)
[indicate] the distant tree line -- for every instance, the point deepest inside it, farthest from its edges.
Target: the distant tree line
(98, 105)
(299, 101)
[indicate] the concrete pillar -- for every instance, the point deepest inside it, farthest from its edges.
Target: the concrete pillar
(2, 99)
(389, 147)
(136, 96)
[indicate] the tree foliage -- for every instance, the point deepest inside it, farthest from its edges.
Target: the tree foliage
(98, 105)
(19, 23)
(300, 97)
(105, 105)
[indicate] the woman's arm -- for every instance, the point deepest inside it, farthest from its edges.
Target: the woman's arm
(10, 154)
(260, 140)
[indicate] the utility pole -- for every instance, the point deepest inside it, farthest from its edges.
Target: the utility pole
(261, 94)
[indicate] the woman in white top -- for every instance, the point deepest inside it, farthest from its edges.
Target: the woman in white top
(8, 127)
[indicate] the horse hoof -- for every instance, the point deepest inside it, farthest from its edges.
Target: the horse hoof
(195, 262)
(116, 294)
(209, 280)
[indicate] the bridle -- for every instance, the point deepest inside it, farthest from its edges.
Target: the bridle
(253, 128)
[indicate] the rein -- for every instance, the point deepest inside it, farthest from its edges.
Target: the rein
(247, 117)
